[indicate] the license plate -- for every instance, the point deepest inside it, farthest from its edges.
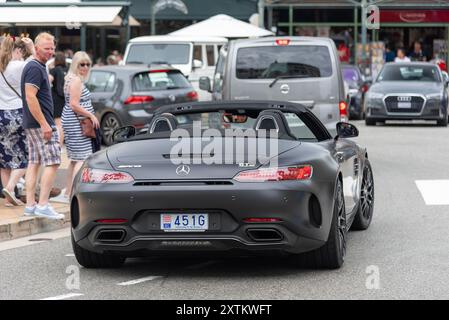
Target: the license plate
(185, 222)
(404, 105)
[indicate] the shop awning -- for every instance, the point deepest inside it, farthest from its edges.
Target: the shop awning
(62, 16)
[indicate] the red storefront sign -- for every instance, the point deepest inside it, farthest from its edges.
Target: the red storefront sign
(414, 16)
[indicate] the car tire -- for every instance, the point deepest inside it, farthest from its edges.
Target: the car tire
(331, 254)
(442, 122)
(109, 123)
(93, 260)
(370, 122)
(365, 209)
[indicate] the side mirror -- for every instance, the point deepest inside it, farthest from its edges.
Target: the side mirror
(346, 130)
(197, 64)
(123, 134)
(205, 84)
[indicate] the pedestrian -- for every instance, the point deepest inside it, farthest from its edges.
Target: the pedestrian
(40, 129)
(78, 106)
(111, 60)
(57, 90)
(401, 57)
(13, 150)
(417, 54)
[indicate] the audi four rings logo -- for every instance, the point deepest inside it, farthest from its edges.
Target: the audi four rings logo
(183, 170)
(404, 99)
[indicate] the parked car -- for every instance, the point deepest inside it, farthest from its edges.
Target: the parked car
(304, 70)
(407, 91)
(194, 56)
(358, 85)
(303, 205)
(129, 95)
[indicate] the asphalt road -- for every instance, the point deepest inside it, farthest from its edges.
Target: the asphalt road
(403, 255)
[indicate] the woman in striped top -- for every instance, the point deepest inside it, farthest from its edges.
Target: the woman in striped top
(77, 106)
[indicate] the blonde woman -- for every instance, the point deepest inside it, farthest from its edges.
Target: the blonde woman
(13, 151)
(77, 106)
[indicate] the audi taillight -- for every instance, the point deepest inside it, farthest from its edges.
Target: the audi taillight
(275, 174)
(105, 176)
(192, 95)
(138, 99)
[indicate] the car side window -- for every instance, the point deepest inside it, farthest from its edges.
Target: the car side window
(298, 128)
(197, 53)
(210, 55)
(101, 81)
(219, 71)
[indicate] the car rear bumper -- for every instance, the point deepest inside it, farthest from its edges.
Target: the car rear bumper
(227, 207)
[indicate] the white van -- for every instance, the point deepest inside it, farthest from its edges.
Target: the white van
(194, 56)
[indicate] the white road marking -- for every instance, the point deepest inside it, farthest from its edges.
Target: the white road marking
(137, 281)
(434, 192)
(70, 255)
(65, 296)
(23, 242)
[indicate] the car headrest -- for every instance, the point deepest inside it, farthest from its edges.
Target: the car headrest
(273, 120)
(163, 122)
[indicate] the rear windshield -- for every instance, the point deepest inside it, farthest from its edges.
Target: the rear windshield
(400, 72)
(161, 80)
(271, 62)
(159, 53)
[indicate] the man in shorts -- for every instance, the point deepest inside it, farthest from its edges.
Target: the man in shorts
(44, 148)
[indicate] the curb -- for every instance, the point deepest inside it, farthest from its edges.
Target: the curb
(27, 226)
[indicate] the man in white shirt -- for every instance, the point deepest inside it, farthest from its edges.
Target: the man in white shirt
(401, 57)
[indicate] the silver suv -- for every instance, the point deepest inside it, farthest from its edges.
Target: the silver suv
(304, 70)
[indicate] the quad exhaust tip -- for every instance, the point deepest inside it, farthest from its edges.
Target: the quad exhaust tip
(111, 236)
(265, 235)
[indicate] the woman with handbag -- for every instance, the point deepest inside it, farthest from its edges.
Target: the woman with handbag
(78, 119)
(13, 150)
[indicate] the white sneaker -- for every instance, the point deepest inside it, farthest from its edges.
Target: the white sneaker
(61, 198)
(48, 212)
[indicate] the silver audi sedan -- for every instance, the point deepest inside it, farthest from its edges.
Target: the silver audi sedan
(407, 91)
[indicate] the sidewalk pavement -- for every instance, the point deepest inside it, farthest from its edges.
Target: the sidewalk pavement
(13, 224)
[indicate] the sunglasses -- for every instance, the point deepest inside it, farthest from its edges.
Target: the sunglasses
(82, 65)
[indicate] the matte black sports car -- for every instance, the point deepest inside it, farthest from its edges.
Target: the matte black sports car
(155, 192)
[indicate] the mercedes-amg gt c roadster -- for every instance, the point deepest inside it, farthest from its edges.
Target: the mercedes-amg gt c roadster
(215, 177)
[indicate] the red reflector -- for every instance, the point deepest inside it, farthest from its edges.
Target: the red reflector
(192, 95)
(275, 174)
(138, 99)
(261, 220)
(283, 42)
(343, 108)
(111, 221)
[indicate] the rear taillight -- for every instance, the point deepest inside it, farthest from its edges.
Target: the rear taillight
(192, 95)
(282, 42)
(275, 174)
(138, 99)
(343, 106)
(105, 176)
